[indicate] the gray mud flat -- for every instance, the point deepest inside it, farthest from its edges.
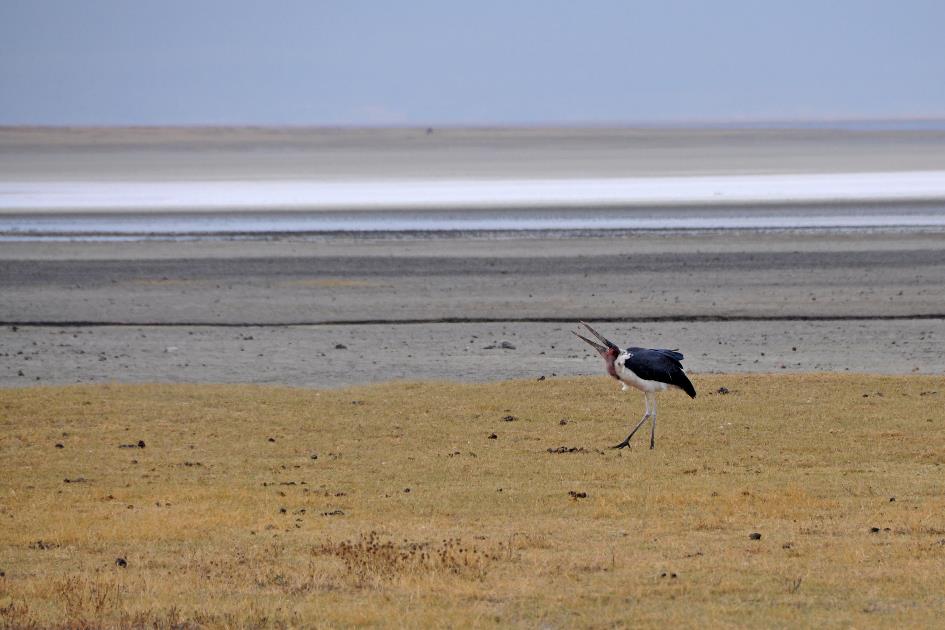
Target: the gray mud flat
(275, 312)
(721, 276)
(309, 356)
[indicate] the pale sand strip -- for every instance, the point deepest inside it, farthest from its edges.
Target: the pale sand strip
(224, 154)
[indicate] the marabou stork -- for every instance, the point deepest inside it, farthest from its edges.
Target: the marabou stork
(649, 370)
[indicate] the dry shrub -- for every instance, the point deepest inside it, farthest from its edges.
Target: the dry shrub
(370, 560)
(169, 619)
(88, 601)
(16, 616)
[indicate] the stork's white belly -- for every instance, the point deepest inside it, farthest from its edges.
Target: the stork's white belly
(629, 378)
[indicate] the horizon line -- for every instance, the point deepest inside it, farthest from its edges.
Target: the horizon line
(694, 123)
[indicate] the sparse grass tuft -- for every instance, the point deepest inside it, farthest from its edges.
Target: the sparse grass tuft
(368, 561)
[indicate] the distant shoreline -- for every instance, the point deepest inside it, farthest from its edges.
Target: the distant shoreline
(260, 182)
(220, 209)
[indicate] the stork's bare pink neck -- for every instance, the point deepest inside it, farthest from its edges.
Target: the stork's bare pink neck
(609, 363)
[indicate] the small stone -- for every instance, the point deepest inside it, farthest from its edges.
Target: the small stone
(140, 443)
(723, 390)
(754, 536)
(121, 562)
(509, 418)
(892, 499)
(407, 490)
(59, 445)
(272, 439)
(340, 346)
(493, 436)
(313, 456)
(577, 495)
(282, 510)
(563, 421)
(874, 530)
(505, 345)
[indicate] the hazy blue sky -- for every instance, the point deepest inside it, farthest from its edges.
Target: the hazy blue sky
(477, 62)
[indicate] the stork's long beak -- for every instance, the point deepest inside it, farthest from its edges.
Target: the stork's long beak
(602, 349)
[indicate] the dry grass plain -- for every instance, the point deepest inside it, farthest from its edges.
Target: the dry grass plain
(391, 505)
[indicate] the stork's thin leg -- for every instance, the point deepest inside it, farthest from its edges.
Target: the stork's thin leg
(646, 416)
(653, 423)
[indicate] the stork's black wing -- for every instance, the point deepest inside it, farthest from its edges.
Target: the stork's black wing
(673, 354)
(659, 365)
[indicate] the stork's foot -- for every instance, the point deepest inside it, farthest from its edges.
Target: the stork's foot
(652, 446)
(624, 444)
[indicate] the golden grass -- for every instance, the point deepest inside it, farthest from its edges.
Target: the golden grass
(412, 516)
